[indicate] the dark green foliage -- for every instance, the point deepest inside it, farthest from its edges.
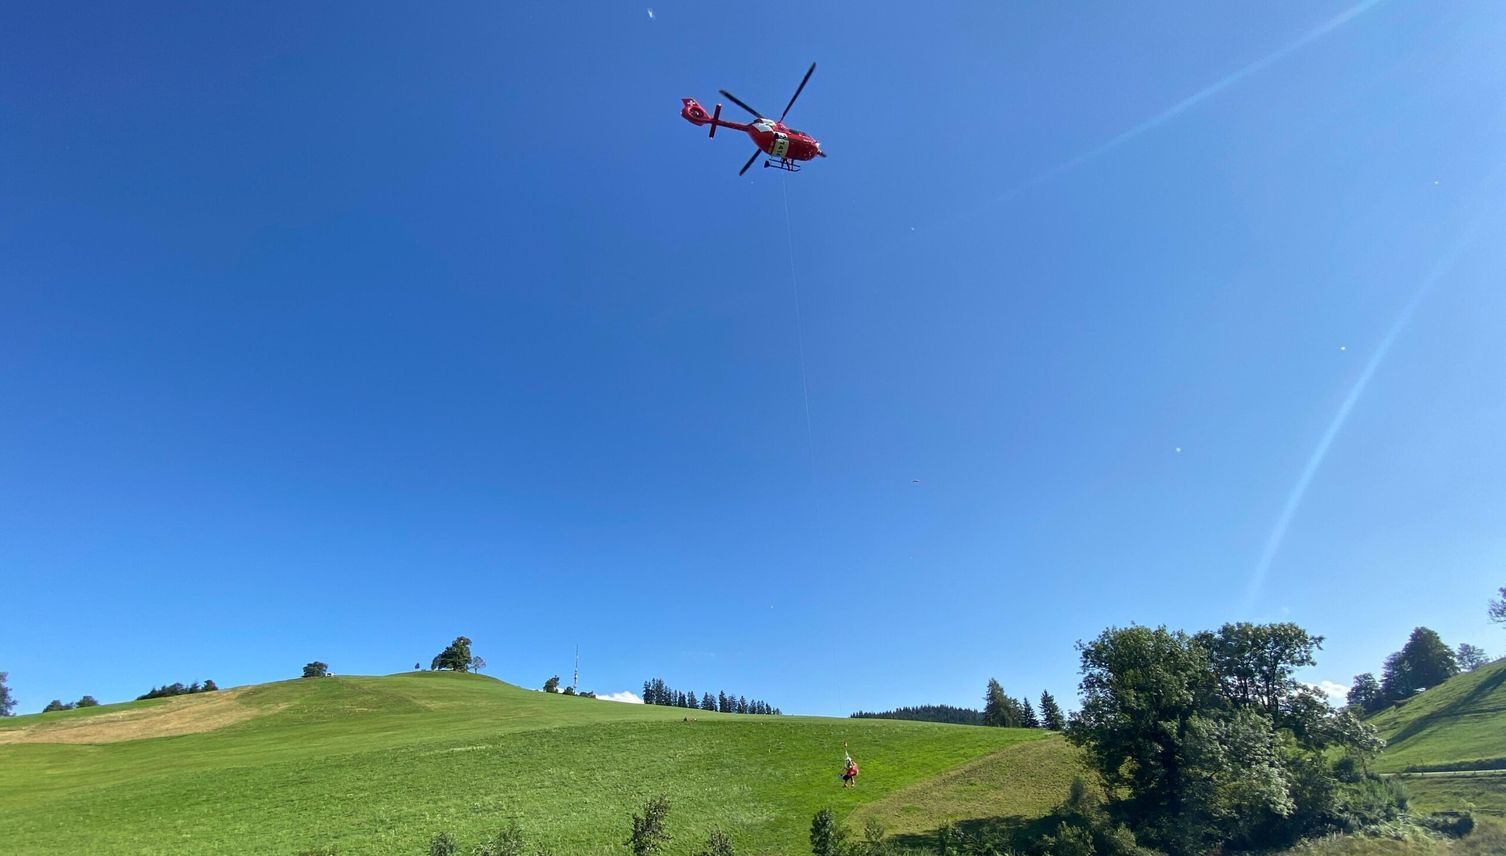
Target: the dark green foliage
(999, 710)
(828, 838)
(1469, 657)
(1051, 713)
(1421, 663)
(1455, 824)
(508, 842)
(649, 835)
(1027, 715)
(315, 669)
(568, 691)
(456, 657)
(169, 690)
(1069, 840)
(443, 845)
(928, 713)
(873, 843)
(656, 691)
(717, 844)
(56, 704)
(7, 701)
(1209, 740)
(552, 685)
(87, 701)
(1365, 693)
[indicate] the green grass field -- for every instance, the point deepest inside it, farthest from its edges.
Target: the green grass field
(1451, 740)
(380, 765)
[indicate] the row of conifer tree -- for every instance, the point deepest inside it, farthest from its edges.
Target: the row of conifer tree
(655, 691)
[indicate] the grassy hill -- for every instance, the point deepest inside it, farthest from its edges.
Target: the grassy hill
(1451, 740)
(379, 765)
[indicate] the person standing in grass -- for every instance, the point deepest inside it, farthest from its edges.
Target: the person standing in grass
(849, 770)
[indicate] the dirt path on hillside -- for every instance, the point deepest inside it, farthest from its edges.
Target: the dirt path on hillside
(191, 714)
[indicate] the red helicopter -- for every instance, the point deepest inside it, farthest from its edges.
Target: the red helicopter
(772, 136)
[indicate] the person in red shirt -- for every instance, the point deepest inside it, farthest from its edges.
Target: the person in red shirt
(850, 771)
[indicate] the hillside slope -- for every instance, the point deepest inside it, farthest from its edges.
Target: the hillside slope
(1451, 740)
(382, 764)
(1459, 724)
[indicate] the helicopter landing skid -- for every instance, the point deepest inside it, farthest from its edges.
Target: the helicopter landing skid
(783, 163)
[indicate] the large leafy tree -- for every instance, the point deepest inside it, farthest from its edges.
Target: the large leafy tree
(1497, 609)
(1470, 657)
(456, 657)
(7, 701)
(1255, 663)
(1365, 693)
(1421, 663)
(1209, 739)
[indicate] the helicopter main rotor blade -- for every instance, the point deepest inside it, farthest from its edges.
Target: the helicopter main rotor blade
(735, 100)
(756, 153)
(798, 90)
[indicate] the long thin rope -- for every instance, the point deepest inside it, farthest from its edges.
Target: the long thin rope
(805, 395)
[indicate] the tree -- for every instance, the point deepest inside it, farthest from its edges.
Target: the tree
(1496, 612)
(999, 710)
(1051, 714)
(418, 667)
(1396, 681)
(1421, 663)
(477, 664)
(717, 844)
(722, 704)
(708, 703)
(552, 685)
(210, 686)
(649, 835)
(456, 656)
(56, 704)
(7, 701)
(315, 669)
(87, 701)
(568, 691)
(1366, 693)
(1470, 658)
(1255, 663)
(1027, 715)
(828, 838)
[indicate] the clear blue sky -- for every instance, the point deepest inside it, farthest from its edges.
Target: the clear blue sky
(333, 333)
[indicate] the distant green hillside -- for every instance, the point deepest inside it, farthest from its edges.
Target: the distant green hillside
(1454, 737)
(379, 765)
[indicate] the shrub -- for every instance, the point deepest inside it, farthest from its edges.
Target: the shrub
(1069, 840)
(717, 844)
(827, 836)
(508, 842)
(649, 834)
(443, 845)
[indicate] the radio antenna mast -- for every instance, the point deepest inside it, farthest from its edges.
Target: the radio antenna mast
(575, 679)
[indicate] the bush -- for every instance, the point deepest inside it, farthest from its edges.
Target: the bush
(649, 834)
(1069, 840)
(1454, 824)
(827, 836)
(508, 842)
(443, 845)
(717, 844)
(315, 669)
